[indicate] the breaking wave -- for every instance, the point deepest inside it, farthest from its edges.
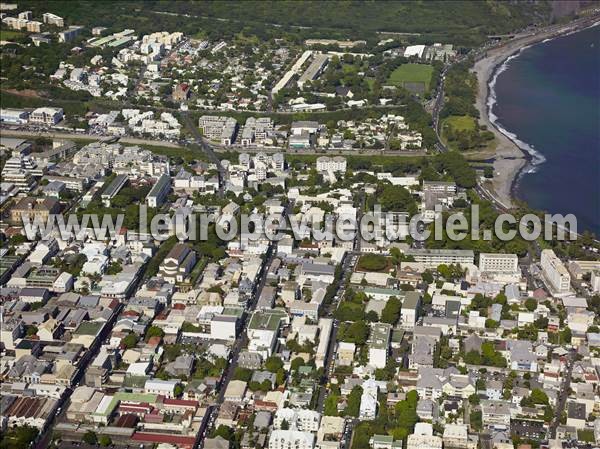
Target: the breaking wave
(536, 158)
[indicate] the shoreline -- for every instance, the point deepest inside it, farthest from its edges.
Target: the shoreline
(510, 158)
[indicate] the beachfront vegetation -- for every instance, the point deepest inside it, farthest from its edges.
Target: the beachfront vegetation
(462, 132)
(459, 116)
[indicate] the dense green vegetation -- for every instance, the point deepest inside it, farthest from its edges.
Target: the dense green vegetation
(459, 115)
(461, 22)
(372, 262)
(18, 437)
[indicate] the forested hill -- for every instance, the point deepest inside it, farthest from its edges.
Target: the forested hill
(463, 23)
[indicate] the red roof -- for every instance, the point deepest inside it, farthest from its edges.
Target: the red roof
(180, 440)
(154, 341)
(182, 402)
(178, 306)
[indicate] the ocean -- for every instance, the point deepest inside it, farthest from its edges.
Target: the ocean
(547, 100)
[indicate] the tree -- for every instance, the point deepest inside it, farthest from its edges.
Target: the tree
(90, 437)
(178, 390)
(154, 331)
(372, 262)
(372, 316)
(539, 397)
(104, 440)
(357, 333)
(297, 363)
(391, 311)
(244, 374)
(476, 419)
(491, 324)
(530, 304)
(273, 364)
(474, 399)
(224, 432)
(280, 377)
(330, 405)
(396, 198)
(353, 402)
(130, 340)
(427, 276)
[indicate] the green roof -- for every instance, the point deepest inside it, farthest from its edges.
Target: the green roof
(383, 439)
(89, 328)
(265, 320)
(380, 335)
(233, 311)
(134, 397)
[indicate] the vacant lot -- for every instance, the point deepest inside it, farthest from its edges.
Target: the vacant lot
(373, 262)
(7, 35)
(460, 123)
(414, 77)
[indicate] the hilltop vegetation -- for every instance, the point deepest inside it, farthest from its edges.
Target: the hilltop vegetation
(464, 23)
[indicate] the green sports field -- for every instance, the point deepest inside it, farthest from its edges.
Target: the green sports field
(414, 77)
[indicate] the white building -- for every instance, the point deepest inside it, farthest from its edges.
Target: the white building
(331, 164)
(368, 400)
(379, 343)
(164, 388)
(301, 419)
(423, 438)
(498, 263)
(554, 272)
(291, 439)
(46, 116)
(432, 258)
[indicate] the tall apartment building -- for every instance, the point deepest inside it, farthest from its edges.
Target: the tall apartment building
(218, 128)
(431, 258)
(498, 263)
(159, 192)
(554, 272)
(53, 19)
(304, 420)
(334, 164)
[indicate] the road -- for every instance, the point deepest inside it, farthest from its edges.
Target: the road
(28, 133)
(564, 394)
(242, 341)
(212, 156)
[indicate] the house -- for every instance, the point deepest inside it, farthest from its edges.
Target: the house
(182, 92)
(576, 414)
(521, 356)
(495, 413)
(33, 209)
(178, 264)
(236, 390)
(164, 388)
(291, 439)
